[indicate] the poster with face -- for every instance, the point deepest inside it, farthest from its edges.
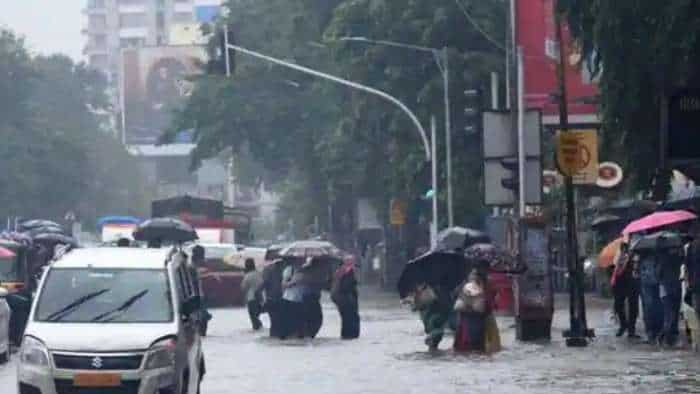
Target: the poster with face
(155, 84)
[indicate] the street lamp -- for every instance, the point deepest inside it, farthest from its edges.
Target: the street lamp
(441, 57)
(430, 156)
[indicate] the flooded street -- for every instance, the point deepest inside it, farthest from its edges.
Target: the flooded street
(391, 357)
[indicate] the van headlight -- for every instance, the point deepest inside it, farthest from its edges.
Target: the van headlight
(34, 352)
(161, 354)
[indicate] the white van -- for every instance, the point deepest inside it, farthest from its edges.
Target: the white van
(117, 320)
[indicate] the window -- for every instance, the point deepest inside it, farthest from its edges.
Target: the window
(96, 4)
(97, 22)
(99, 40)
(132, 20)
(160, 20)
(132, 42)
(183, 17)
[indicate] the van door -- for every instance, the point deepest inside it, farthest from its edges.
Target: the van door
(190, 328)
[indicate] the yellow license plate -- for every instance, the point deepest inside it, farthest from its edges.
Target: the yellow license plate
(97, 380)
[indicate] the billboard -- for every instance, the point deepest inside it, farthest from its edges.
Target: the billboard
(154, 84)
(537, 36)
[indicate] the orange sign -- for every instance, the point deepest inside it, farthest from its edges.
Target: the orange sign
(577, 155)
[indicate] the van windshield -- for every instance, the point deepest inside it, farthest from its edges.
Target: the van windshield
(105, 296)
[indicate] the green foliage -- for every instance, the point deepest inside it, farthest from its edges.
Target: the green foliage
(312, 136)
(640, 49)
(54, 156)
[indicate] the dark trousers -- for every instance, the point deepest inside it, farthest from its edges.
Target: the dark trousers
(350, 320)
(653, 310)
(626, 295)
(313, 315)
(671, 306)
(290, 319)
(273, 309)
(254, 311)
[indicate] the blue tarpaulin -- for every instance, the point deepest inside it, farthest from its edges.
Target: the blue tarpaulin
(207, 13)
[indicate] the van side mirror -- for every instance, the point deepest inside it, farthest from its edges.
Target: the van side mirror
(192, 305)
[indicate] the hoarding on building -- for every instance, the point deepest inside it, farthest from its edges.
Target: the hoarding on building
(537, 36)
(154, 85)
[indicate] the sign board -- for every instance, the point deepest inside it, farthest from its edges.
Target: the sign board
(684, 126)
(609, 175)
(398, 212)
(155, 83)
(500, 140)
(577, 155)
(496, 195)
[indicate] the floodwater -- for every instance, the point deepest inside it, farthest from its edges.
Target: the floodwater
(390, 357)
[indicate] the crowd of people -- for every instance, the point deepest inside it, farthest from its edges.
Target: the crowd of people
(289, 291)
(665, 276)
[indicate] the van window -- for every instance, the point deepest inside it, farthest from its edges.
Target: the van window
(83, 295)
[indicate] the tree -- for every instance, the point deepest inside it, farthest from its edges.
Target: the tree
(311, 136)
(640, 50)
(54, 156)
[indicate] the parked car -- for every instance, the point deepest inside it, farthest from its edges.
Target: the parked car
(118, 320)
(4, 327)
(221, 282)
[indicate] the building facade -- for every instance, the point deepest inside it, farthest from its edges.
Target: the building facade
(113, 25)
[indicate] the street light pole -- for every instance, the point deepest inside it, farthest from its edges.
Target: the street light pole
(441, 57)
(421, 130)
(448, 135)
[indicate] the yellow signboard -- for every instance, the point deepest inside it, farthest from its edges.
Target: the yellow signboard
(398, 212)
(577, 155)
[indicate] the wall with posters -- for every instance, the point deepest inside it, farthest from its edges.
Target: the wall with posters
(537, 36)
(154, 84)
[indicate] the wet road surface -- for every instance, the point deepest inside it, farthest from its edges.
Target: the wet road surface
(390, 358)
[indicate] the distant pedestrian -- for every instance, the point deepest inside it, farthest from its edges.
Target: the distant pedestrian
(625, 286)
(344, 295)
(292, 307)
(650, 292)
(272, 290)
(670, 290)
(252, 286)
(693, 277)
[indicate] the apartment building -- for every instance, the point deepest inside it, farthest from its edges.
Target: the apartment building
(113, 25)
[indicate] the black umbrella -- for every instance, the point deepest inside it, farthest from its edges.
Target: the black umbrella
(165, 229)
(687, 204)
(45, 230)
(659, 240)
(35, 223)
(493, 258)
(436, 268)
(605, 219)
(459, 238)
(54, 239)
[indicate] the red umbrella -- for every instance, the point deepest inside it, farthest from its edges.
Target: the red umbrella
(657, 220)
(6, 253)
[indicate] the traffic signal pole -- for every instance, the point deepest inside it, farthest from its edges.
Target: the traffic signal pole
(578, 334)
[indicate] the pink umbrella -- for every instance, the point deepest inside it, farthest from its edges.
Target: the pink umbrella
(658, 219)
(6, 253)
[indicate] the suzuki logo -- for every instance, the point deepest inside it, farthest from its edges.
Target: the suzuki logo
(97, 362)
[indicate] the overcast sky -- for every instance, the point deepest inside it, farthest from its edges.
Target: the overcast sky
(49, 26)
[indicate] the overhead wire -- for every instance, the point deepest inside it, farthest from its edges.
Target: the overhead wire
(478, 28)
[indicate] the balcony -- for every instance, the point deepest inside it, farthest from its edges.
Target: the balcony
(133, 8)
(133, 32)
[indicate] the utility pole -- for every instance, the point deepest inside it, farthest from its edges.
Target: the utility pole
(578, 334)
(448, 135)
